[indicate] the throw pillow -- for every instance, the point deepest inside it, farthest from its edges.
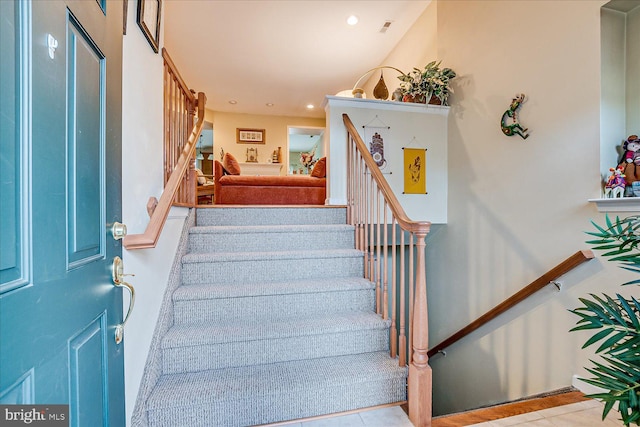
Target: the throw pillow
(231, 164)
(320, 169)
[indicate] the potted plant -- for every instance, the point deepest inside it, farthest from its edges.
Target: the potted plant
(432, 84)
(616, 323)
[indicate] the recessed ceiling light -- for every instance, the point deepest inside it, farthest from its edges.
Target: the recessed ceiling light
(233, 102)
(352, 20)
(310, 106)
(269, 104)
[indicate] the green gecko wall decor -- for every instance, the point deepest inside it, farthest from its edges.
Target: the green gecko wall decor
(514, 128)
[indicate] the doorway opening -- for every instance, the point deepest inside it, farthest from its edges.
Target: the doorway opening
(303, 140)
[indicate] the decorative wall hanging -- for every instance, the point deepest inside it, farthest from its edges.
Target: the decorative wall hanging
(149, 21)
(251, 136)
(512, 127)
(375, 136)
(415, 170)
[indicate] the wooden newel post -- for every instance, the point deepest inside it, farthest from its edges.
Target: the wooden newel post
(420, 376)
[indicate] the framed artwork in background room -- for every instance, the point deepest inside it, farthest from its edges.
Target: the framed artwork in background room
(251, 136)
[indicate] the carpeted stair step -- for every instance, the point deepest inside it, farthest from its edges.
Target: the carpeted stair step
(270, 238)
(221, 304)
(192, 348)
(263, 394)
(271, 215)
(267, 318)
(252, 267)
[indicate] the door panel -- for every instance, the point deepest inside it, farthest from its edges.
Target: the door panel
(61, 142)
(85, 140)
(89, 380)
(13, 227)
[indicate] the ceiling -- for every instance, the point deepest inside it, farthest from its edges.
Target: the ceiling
(289, 53)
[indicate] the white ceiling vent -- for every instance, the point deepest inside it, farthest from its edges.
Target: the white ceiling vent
(386, 26)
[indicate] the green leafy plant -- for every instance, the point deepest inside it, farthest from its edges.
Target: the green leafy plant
(431, 81)
(618, 323)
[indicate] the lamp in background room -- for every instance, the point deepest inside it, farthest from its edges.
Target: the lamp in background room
(199, 156)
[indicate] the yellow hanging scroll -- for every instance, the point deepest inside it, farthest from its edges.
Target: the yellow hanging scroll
(415, 171)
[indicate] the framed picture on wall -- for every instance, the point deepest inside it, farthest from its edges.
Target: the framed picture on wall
(149, 21)
(251, 136)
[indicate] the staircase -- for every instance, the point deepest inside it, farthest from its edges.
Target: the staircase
(270, 320)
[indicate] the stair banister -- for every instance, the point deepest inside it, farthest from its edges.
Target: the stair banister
(181, 106)
(150, 237)
(365, 185)
(564, 267)
(396, 208)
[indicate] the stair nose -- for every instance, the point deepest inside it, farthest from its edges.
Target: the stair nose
(268, 302)
(214, 239)
(200, 347)
(271, 215)
(255, 267)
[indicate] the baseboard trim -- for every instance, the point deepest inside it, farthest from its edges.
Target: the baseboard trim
(577, 382)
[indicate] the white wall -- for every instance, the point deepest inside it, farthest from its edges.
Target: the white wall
(620, 107)
(633, 71)
(613, 117)
(516, 207)
(411, 126)
(142, 86)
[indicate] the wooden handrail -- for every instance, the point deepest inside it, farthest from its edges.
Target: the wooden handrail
(564, 267)
(150, 237)
(395, 206)
(169, 62)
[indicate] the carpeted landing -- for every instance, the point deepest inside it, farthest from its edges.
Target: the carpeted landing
(269, 319)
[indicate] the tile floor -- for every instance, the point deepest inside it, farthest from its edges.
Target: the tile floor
(581, 414)
(393, 416)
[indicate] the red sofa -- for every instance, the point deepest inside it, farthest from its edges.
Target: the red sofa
(267, 190)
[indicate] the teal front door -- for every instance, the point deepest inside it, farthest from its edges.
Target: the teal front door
(60, 193)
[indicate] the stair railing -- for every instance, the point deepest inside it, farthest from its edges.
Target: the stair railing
(546, 279)
(183, 123)
(374, 210)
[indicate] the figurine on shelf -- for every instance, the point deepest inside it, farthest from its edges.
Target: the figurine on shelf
(614, 188)
(631, 149)
(252, 155)
(630, 161)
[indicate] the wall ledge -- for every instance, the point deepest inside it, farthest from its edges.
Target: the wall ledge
(412, 107)
(625, 204)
